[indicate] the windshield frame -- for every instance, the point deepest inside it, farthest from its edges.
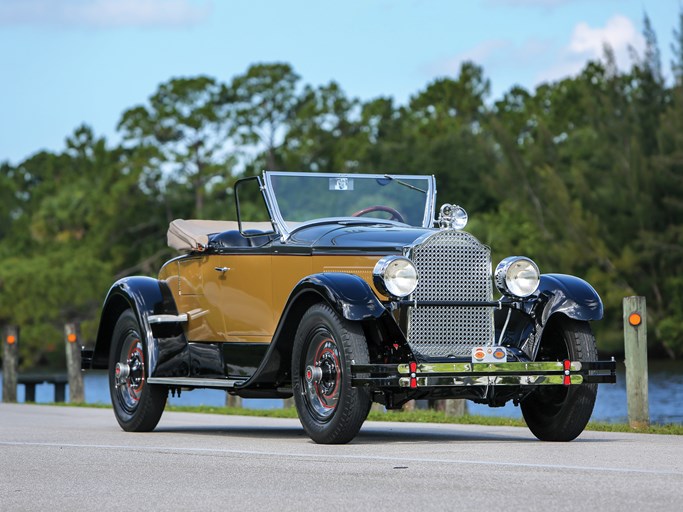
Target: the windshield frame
(286, 231)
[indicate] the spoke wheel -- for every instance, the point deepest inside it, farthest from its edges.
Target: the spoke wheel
(560, 413)
(322, 377)
(330, 410)
(137, 405)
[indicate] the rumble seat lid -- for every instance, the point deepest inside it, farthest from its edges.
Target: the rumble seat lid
(193, 234)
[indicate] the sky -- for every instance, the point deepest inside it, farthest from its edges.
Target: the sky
(68, 62)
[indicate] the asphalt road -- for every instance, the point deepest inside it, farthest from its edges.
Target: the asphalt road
(63, 458)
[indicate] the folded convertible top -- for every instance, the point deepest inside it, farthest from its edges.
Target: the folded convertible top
(193, 234)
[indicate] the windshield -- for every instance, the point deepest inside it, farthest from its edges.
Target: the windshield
(304, 197)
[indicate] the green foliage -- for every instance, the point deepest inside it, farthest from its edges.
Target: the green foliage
(183, 130)
(265, 99)
(585, 175)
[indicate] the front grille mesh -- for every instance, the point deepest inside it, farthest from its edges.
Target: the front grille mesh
(452, 266)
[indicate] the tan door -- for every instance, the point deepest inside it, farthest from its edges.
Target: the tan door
(238, 288)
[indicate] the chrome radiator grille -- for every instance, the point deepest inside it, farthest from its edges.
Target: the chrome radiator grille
(452, 266)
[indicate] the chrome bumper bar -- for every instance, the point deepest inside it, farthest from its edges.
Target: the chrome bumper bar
(427, 375)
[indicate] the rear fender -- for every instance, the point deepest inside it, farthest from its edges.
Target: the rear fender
(144, 296)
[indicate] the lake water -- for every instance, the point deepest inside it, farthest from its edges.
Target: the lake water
(665, 396)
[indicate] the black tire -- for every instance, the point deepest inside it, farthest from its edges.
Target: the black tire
(330, 410)
(137, 405)
(560, 413)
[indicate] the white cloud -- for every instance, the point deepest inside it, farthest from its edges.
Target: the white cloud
(493, 54)
(103, 13)
(588, 43)
(480, 54)
(537, 60)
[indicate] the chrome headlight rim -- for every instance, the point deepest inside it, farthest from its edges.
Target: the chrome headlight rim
(517, 277)
(452, 216)
(395, 276)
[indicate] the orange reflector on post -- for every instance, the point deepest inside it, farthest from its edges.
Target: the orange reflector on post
(11, 340)
(71, 338)
(635, 319)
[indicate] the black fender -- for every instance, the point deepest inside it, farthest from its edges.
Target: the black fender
(144, 296)
(569, 295)
(560, 294)
(348, 294)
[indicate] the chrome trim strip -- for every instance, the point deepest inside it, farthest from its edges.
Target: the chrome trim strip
(497, 380)
(541, 366)
(195, 382)
(162, 319)
(445, 303)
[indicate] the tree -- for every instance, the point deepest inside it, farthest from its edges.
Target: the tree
(442, 131)
(186, 122)
(677, 50)
(321, 131)
(265, 99)
(80, 220)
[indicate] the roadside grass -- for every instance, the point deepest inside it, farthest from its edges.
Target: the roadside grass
(416, 416)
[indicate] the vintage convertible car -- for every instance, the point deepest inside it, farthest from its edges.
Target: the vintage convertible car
(338, 289)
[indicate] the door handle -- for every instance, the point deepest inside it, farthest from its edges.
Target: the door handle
(222, 270)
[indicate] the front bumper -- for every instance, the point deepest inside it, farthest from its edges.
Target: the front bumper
(432, 375)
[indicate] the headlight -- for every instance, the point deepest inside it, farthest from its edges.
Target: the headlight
(452, 216)
(517, 276)
(395, 276)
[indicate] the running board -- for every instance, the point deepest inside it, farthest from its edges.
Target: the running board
(193, 382)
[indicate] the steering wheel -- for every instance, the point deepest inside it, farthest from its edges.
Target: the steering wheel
(395, 215)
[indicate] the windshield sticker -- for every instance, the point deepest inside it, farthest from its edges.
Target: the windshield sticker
(341, 184)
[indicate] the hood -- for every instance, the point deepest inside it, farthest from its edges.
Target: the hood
(382, 238)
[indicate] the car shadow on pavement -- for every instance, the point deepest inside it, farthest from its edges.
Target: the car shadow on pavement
(370, 434)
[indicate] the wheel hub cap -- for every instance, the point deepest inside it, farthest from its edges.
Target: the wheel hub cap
(322, 375)
(121, 373)
(314, 374)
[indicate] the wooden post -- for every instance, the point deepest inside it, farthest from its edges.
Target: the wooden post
(635, 350)
(409, 406)
(451, 407)
(233, 400)
(10, 362)
(455, 407)
(73, 365)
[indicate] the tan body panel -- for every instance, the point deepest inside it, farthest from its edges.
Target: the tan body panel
(245, 302)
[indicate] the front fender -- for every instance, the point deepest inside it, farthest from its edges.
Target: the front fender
(569, 295)
(349, 294)
(144, 296)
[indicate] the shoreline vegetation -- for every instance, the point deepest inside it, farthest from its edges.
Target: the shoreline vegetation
(416, 416)
(583, 174)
